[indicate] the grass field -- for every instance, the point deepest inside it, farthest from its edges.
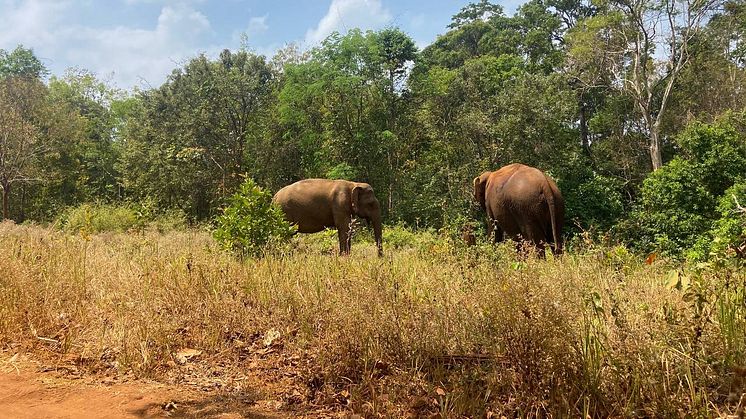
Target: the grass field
(433, 328)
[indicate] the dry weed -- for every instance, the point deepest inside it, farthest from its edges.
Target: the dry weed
(448, 330)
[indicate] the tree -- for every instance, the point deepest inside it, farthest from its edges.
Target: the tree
(645, 45)
(189, 141)
(86, 169)
(19, 137)
(346, 108)
(21, 62)
(473, 12)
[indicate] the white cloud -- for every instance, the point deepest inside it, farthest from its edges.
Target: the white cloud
(346, 14)
(248, 37)
(28, 21)
(257, 24)
(135, 55)
(130, 55)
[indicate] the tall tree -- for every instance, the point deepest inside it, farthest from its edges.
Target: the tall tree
(19, 137)
(346, 109)
(21, 62)
(645, 44)
(86, 168)
(187, 145)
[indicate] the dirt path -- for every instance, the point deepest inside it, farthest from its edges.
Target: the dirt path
(26, 393)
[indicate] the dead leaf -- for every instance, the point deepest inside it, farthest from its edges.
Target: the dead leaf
(440, 392)
(270, 337)
(186, 354)
(264, 351)
(651, 258)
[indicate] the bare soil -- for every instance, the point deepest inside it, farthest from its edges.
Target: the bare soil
(30, 389)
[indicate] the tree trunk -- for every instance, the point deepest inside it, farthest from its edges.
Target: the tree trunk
(584, 141)
(6, 196)
(655, 149)
(22, 215)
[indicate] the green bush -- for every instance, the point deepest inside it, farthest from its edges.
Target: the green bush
(399, 237)
(674, 209)
(719, 152)
(726, 241)
(592, 201)
(679, 202)
(97, 218)
(250, 222)
(170, 220)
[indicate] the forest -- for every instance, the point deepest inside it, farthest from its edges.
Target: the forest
(642, 127)
(636, 108)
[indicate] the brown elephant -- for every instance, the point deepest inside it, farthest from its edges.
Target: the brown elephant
(314, 204)
(522, 202)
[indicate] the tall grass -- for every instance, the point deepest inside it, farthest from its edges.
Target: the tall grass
(429, 329)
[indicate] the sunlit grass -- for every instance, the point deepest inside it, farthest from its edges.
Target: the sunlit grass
(431, 327)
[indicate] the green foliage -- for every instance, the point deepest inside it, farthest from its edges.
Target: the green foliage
(718, 149)
(99, 218)
(400, 237)
(341, 171)
(21, 62)
(726, 241)
(251, 221)
(94, 218)
(679, 201)
(592, 201)
(188, 142)
(674, 208)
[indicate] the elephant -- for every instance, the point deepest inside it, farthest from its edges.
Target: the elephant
(522, 202)
(314, 204)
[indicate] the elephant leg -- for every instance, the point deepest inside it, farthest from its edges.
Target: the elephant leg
(343, 233)
(494, 231)
(534, 234)
(499, 234)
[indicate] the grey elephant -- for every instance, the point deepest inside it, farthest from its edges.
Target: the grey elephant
(315, 204)
(522, 202)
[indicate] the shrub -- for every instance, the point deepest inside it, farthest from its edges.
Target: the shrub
(726, 241)
(592, 200)
(674, 209)
(251, 221)
(97, 218)
(399, 237)
(679, 202)
(718, 150)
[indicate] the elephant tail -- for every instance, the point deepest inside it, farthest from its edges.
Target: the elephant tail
(553, 214)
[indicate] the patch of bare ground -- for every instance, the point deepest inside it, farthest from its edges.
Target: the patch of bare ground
(68, 388)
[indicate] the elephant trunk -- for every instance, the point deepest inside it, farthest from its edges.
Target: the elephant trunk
(378, 233)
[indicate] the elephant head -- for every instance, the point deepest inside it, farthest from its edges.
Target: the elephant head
(366, 206)
(480, 183)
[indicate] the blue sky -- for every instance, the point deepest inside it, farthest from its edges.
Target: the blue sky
(138, 42)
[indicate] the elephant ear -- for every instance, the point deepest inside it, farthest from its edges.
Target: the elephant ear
(480, 183)
(355, 199)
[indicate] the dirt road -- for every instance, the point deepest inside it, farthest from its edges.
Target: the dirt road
(25, 393)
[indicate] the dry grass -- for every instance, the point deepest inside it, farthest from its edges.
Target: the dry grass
(434, 329)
